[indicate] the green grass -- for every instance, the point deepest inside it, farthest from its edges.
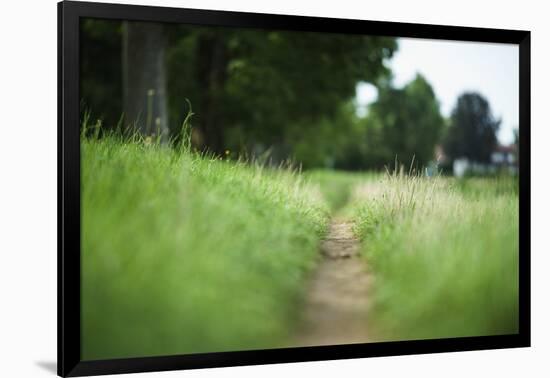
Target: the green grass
(190, 254)
(337, 186)
(184, 253)
(444, 254)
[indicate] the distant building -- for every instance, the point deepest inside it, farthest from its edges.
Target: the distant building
(503, 159)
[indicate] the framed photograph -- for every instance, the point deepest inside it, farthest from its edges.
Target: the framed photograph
(240, 188)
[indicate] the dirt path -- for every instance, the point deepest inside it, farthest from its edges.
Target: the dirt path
(337, 298)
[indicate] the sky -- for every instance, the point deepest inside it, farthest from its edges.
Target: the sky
(453, 67)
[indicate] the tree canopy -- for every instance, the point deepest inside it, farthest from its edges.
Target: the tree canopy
(250, 89)
(473, 130)
(404, 123)
(261, 84)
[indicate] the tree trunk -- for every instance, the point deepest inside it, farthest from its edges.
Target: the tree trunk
(212, 65)
(144, 82)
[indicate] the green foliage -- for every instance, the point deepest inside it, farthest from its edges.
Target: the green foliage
(332, 143)
(184, 253)
(284, 81)
(404, 123)
(239, 79)
(472, 133)
(444, 254)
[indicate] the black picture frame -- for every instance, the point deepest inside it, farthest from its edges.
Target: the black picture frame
(69, 14)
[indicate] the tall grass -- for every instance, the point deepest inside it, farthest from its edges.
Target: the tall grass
(183, 253)
(337, 187)
(444, 254)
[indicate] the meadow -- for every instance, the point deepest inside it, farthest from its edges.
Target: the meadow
(187, 253)
(444, 253)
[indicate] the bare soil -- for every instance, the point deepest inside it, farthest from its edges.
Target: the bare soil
(337, 300)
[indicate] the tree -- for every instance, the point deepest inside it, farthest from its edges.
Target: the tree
(473, 130)
(251, 87)
(212, 58)
(404, 123)
(100, 68)
(144, 77)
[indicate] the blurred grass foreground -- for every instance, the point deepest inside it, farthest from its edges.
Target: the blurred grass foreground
(184, 252)
(445, 255)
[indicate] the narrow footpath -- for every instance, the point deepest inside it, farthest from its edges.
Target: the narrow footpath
(337, 300)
